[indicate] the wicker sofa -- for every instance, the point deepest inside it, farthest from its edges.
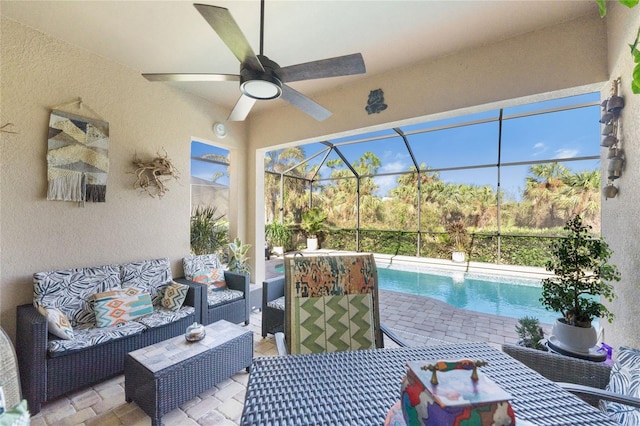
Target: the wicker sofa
(51, 366)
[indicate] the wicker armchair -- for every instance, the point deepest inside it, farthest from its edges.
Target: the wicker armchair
(273, 306)
(587, 379)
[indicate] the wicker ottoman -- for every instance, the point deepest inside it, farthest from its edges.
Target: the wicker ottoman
(161, 377)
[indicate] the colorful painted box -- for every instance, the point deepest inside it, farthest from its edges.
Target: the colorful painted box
(453, 392)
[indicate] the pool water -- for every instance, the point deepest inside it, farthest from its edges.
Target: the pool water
(505, 296)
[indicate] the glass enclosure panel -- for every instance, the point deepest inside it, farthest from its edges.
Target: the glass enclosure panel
(460, 120)
(553, 103)
(457, 147)
(559, 135)
(548, 194)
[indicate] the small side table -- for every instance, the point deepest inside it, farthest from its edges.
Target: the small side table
(594, 354)
(161, 377)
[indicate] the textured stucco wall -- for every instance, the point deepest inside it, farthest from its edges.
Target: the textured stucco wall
(566, 57)
(620, 225)
(38, 73)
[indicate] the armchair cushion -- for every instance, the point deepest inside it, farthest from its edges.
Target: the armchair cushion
(625, 379)
(223, 296)
(277, 303)
(58, 323)
(119, 306)
(203, 262)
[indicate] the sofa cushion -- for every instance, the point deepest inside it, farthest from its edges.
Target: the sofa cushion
(223, 296)
(277, 303)
(71, 290)
(91, 335)
(162, 316)
(58, 323)
(625, 379)
(119, 306)
(174, 295)
(212, 278)
(150, 276)
(203, 262)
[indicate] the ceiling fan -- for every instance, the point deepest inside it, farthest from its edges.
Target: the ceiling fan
(261, 78)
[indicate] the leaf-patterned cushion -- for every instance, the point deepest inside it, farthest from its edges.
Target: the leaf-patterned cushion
(223, 296)
(162, 316)
(119, 306)
(150, 276)
(277, 303)
(71, 290)
(91, 335)
(625, 379)
(57, 322)
(203, 262)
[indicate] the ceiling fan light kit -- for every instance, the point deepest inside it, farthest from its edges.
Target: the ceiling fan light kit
(261, 78)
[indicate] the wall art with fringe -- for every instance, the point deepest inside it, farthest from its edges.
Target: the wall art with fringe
(77, 158)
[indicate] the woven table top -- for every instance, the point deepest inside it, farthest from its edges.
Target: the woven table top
(359, 387)
(172, 351)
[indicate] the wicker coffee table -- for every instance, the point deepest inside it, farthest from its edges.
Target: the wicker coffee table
(161, 377)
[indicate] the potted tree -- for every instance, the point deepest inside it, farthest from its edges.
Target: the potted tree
(313, 223)
(530, 333)
(582, 275)
(279, 236)
(458, 239)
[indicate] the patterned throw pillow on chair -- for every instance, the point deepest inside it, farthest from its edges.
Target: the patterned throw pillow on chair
(119, 306)
(214, 278)
(625, 379)
(57, 322)
(174, 295)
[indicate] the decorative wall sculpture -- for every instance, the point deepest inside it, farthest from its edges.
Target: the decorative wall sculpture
(151, 175)
(77, 158)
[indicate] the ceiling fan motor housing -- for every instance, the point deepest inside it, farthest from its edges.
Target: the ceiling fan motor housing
(258, 84)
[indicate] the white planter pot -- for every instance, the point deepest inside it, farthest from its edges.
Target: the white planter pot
(312, 244)
(457, 256)
(572, 338)
(278, 251)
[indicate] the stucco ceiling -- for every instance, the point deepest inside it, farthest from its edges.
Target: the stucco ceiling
(171, 36)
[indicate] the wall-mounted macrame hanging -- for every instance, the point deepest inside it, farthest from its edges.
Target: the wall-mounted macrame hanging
(77, 158)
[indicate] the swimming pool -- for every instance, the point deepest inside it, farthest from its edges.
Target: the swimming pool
(504, 296)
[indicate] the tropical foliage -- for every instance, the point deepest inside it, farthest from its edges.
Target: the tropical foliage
(209, 231)
(422, 206)
(238, 259)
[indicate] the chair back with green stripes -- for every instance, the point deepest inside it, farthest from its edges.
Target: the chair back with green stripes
(331, 303)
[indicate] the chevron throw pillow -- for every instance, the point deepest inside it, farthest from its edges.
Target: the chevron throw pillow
(333, 323)
(174, 295)
(119, 306)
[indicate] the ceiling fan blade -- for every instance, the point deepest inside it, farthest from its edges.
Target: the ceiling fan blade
(305, 104)
(228, 30)
(192, 77)
(242, 108)
(332, 67)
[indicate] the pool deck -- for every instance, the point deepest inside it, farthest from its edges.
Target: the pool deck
(417, 320)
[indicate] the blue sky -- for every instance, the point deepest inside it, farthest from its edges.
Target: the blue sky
(562, 135)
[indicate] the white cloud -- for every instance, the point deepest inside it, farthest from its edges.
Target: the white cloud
(539, 148)
(566, 153)
(394, 166)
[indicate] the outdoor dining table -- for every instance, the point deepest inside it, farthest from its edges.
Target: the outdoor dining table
(360, 387)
